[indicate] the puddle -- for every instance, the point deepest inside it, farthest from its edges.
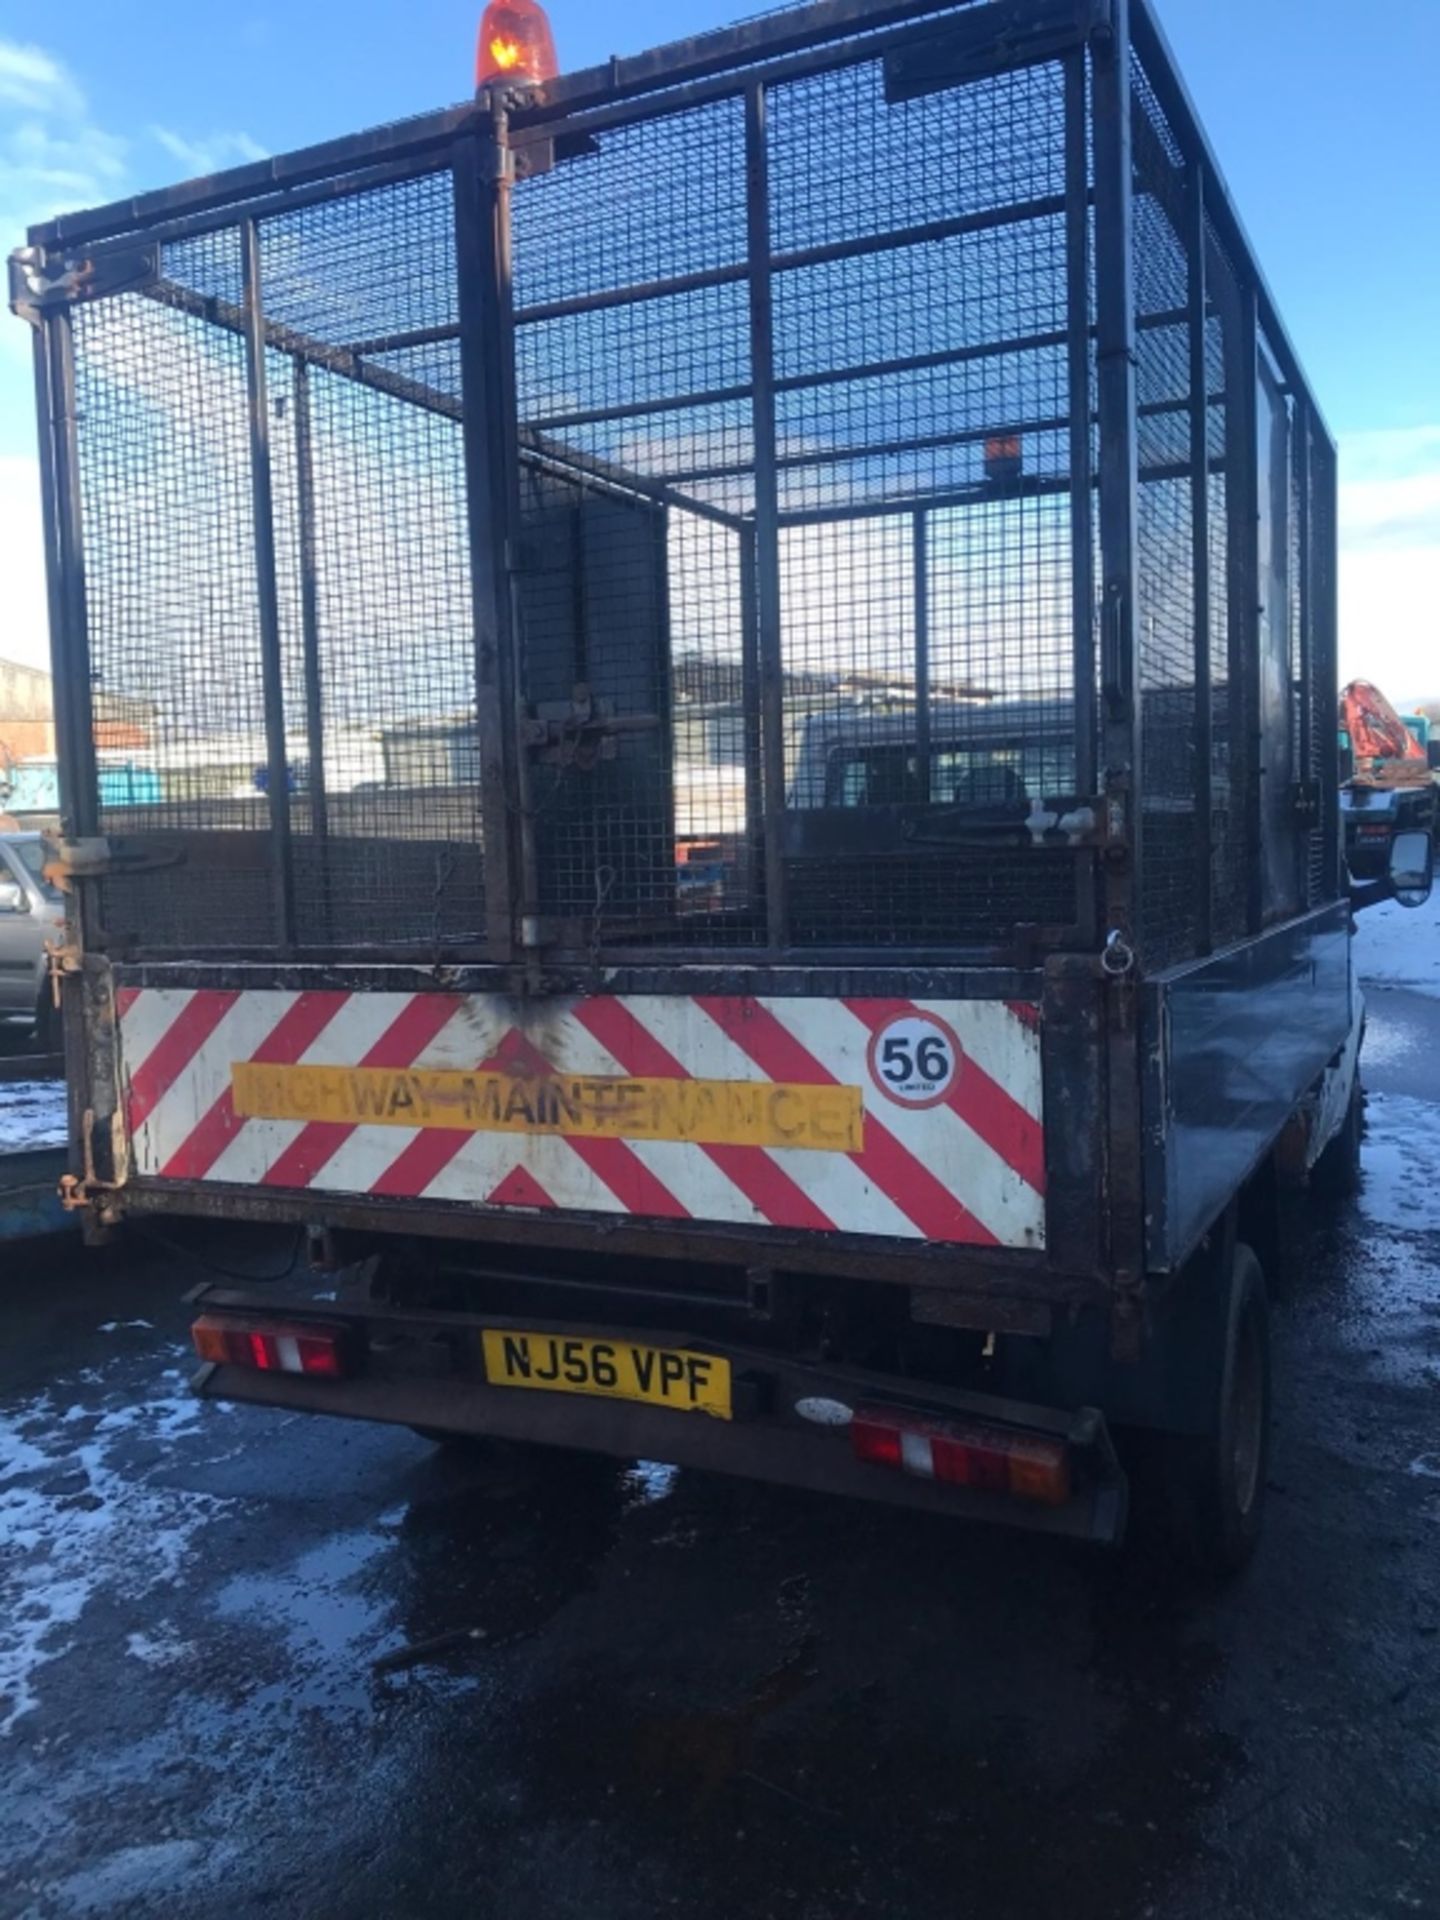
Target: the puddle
(325, 1608)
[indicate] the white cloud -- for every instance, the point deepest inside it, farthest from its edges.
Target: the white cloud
(34, 80)
(212, 154)
(54, 156)
(1390, 560)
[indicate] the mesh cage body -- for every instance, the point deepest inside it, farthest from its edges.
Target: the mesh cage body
(724, 514)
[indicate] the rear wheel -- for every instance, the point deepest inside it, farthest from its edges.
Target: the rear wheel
(1217, 1482)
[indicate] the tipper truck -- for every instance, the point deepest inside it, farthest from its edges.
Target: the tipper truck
(885, 397)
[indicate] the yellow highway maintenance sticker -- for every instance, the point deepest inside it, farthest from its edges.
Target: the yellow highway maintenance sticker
(731, 1113)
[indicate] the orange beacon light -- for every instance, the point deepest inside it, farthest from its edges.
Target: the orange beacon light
(515, 44)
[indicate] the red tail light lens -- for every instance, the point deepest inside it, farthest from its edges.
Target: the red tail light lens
(1029, 1466)
(278, 1348)
(874, 1441)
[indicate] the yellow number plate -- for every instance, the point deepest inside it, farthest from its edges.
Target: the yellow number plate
(614, 1369)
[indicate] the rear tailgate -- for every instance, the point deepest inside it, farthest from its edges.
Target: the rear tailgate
(911, 1119)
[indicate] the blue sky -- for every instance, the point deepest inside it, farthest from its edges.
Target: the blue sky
(1326, 121)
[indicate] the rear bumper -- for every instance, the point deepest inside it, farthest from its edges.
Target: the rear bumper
(424, 1369)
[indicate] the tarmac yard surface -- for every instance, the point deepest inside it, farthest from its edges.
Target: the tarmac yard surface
(260, 1664)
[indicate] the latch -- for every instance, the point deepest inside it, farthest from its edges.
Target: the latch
(40, 283)
(583, 733)
(61, 957)
(1305, 799)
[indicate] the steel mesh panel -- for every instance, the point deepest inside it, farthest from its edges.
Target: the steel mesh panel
(163, 430)
(1227, 832)
(400, 857)
(1164, 583)
(385, 804)
(1313, 708)
(372, 577)
(973, 900)
(986, 308)
(1323, 861)
(1302, 754)
(928, 653)
(363, 268)
(635, 415)
(658, 199)
(715, 720)
(989, 145)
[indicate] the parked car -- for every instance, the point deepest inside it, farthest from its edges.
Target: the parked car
(32, 911)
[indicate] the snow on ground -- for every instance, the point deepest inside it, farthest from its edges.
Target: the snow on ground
(1402, 1163)
(1399, 946)
(76, 1520)
(32, 1114)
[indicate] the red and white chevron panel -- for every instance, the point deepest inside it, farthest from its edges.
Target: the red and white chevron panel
(958, 1157)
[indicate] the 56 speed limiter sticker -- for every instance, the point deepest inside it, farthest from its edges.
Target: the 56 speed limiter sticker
(915, 1059)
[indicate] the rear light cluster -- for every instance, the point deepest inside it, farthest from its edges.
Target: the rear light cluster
(964, 1454)
(278, 1348)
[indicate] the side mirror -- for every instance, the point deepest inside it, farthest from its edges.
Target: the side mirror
(1412, 868)
(12, 897)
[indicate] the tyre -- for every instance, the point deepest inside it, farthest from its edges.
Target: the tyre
(1217, 1483)
(1336, 1174)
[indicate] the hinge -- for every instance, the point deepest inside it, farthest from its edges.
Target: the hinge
(42, 283)
(82, 1192)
